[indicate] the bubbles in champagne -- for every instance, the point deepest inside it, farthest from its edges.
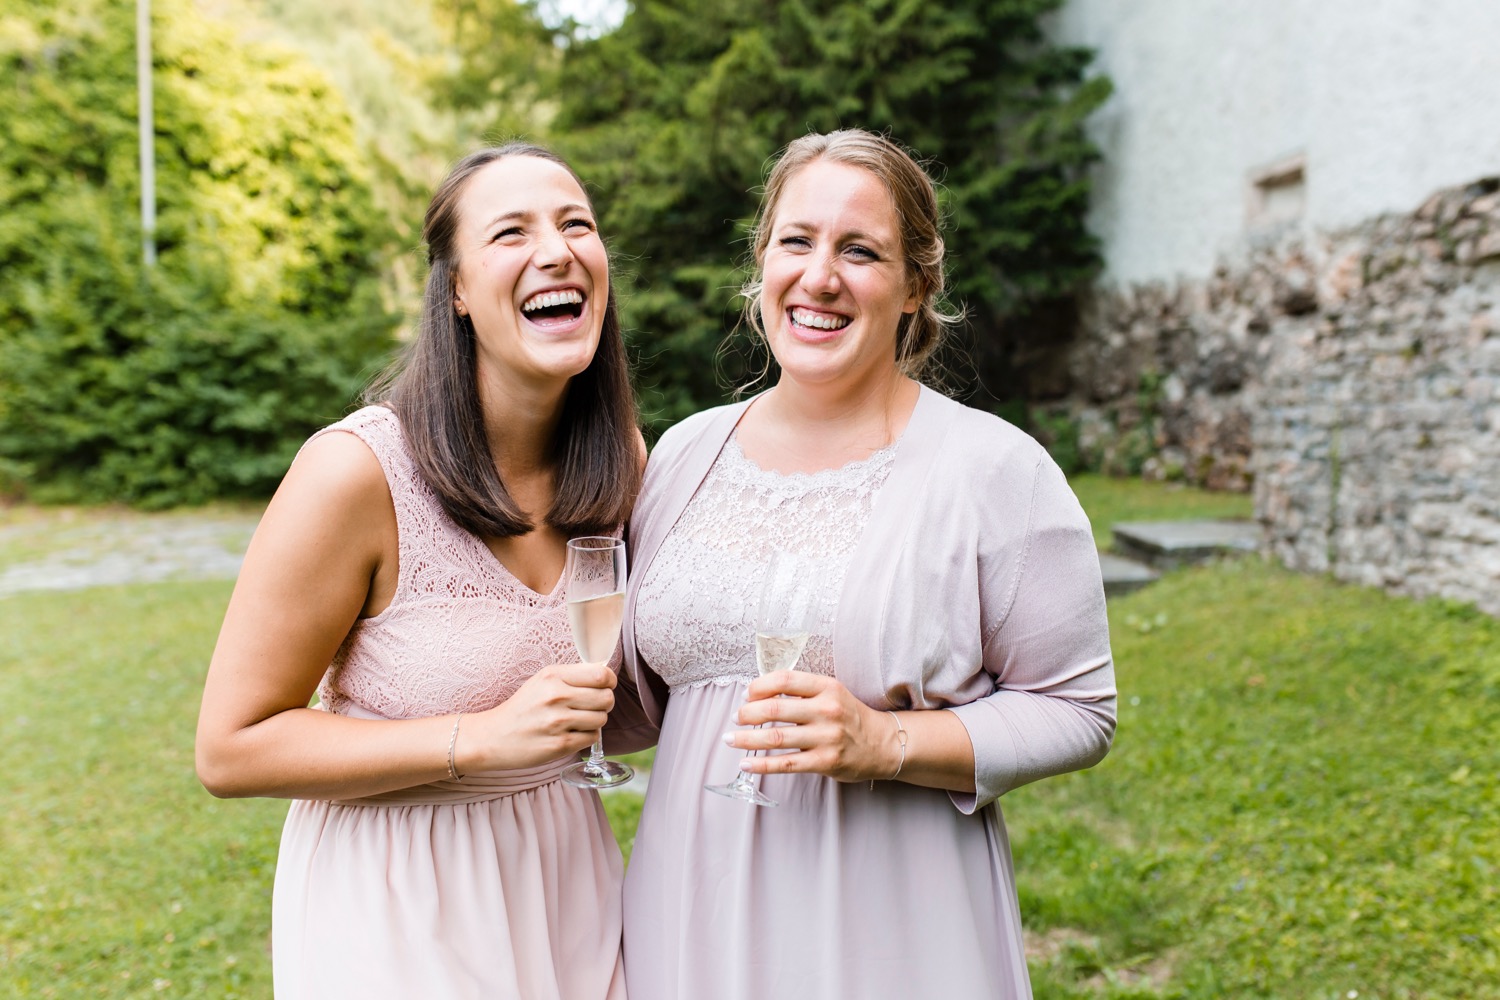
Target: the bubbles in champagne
(778, 649)
(596, 625)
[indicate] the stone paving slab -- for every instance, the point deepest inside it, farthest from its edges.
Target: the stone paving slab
(1122, 575)
(1169, 544)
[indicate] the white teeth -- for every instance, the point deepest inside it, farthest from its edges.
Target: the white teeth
(545, 299)
(818, 321)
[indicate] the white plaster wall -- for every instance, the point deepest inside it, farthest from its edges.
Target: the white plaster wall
(1387, 100)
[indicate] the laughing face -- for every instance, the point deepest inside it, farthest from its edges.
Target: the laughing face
(533, 275)
(834, 281)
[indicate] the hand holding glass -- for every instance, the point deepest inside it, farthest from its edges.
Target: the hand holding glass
(595, 582)
(786, 617)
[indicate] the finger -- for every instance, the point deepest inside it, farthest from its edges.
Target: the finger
(587, 675)
(578, 742)
(797, 711)
(802, 762)
(797, 683)
(591, 723)
(589, 700)
(772, 738)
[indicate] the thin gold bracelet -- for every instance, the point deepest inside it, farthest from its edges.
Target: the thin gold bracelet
(453, 774)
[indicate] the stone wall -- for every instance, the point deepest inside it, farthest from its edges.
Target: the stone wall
(1351, 379)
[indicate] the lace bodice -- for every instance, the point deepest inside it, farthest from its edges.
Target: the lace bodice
(695, 614)
(461, 633)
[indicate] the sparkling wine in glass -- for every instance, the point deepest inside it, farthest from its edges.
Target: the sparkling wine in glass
(595, 582)
(785, 619)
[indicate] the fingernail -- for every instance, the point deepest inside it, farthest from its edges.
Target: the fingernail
(745, 764)
(728, 739)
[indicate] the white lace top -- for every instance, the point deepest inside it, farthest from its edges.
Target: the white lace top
(695, 616)
(461, 633)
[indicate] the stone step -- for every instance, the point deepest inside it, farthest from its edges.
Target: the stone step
(1122, 575)
(1165, 545)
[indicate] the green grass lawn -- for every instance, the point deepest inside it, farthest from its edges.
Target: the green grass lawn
(119, 875)
(1302, 801)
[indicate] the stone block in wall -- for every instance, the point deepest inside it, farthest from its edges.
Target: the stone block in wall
(1352, 380)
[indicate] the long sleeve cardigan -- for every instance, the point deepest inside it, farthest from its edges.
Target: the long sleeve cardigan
(975, 587)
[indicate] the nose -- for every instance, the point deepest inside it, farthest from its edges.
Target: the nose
(820, 276)
(552, 250)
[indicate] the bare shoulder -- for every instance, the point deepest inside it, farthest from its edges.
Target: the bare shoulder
(339, 465)
(334, 494)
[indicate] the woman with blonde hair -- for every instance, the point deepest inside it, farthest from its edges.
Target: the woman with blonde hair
(961, 649)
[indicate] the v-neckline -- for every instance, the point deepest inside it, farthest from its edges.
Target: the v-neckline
(507, 572)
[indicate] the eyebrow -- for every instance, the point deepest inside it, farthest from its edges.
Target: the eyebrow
(520, 215)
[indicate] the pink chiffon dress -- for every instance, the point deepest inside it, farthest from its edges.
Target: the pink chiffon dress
(502, 885)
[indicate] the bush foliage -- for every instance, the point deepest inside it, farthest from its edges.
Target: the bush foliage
(200, 376)
(673, 118)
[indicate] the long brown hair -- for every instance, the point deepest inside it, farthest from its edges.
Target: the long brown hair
(434, 390)
(914, 197)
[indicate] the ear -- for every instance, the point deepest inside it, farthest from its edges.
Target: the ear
(458, 297)
(914, 296)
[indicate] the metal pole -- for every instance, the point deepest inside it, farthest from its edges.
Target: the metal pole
(147, 129)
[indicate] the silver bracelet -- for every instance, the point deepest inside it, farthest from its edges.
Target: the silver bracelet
(453, 774)
(901, 739)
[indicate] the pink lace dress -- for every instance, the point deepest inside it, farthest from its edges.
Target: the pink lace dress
(503, 885)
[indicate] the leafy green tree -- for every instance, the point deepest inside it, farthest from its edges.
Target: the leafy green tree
(199, 377)
(674, 115)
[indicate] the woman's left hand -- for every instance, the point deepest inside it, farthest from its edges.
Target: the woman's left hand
(837, 734)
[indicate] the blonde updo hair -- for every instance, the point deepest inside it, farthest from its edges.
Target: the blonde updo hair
(918, 334)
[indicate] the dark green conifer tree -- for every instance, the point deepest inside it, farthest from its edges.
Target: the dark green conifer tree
(673, 117)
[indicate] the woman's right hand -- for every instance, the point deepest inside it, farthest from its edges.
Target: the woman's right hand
(558, 711)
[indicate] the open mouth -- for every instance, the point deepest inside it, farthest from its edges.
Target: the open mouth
(813, 320)
(551, 308)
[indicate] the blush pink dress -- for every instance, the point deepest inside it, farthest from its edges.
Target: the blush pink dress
(502, 885)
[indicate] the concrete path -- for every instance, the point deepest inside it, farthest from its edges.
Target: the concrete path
(56, 551)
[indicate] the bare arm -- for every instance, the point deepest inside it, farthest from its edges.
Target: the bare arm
(325, 554)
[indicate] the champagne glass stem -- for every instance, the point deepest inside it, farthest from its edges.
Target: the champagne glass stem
(596, 756)
(745, 781)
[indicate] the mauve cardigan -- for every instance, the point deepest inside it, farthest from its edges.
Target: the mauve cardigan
(975, 587)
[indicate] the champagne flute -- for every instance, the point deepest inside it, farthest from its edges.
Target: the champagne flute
(595, 575)
(785, 619)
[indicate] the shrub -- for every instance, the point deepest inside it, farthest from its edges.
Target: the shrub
(195, 378)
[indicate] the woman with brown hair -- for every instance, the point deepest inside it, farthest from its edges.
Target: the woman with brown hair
(961, 649)
(408, 571)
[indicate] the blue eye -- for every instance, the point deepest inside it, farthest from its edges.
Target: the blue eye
(864, 253)
(796, 242)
